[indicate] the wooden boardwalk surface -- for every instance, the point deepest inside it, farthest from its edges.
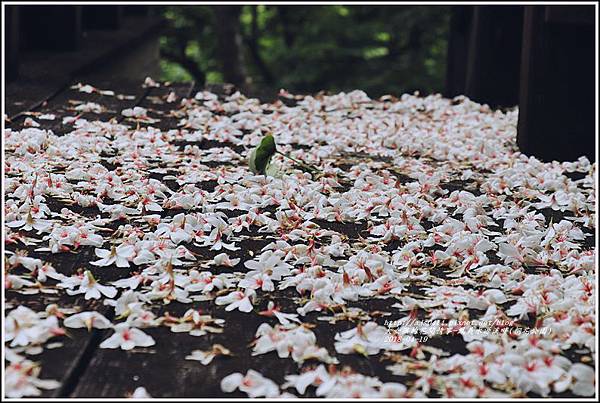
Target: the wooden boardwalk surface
(85, 370)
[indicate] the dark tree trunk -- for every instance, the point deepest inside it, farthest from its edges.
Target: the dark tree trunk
(557, 99)
(495, 55)
(188, 64)
(288, 35)
(484, 51)
(178, 55)
(229, 39)
(253, 47)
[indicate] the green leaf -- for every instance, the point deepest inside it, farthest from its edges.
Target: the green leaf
(261, 156)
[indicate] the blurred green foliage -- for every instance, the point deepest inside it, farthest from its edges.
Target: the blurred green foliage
(305, 49)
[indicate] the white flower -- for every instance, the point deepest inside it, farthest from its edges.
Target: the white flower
(369, 339)
(557, 201)
(205, 282)
(120, 255)
(89, 320)
(29, 263)
(215, 238)
(140, 393)
(197, 324)
(172, 97)
(135, 112)
(293, 340)
(28, 122)
(257, 281)
(206, 357)
(301, 382)
(140, 317)
(585, 379)
(149, 82)
(128, 302)
(127, 338)
(21, 380)
(181, 229)
(283, 318)
(132, 282)
(269, 263)
(14, 282)
(92, 289)
(222, 259)
(90, 107)
(253, 384)
(344, 384)
(24, 327)
(47, 270)
(487, 298)
(237, 300)
(29, 222)
(510, 253)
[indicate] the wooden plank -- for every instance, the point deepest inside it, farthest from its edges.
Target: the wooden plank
(43, 74)
(557, 94)
(66, 364)
(162, 369)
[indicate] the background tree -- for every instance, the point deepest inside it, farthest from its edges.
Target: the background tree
(380, 49)
(229, 41)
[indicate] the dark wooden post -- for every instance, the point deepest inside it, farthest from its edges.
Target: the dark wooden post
(557, 95)
(11, 37)
(54, 27)
(484, 51)
(102, 17)
(458, 41)
(138, 10)
(494, 55)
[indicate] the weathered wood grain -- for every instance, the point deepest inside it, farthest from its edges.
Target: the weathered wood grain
(66, 363)
(87, 371)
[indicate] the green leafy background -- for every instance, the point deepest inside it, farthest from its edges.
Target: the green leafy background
(379, 49)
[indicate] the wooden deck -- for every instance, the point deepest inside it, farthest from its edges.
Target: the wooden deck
(85, 370)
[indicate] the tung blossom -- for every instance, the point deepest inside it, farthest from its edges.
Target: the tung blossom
(24, 327)
(88, 320)
(253, 384)
(127, 338)
(21, 379)
(120, 256)
(222, 259)
(92, 289)
(283, 318)
(206, 357)
(269, 263)
(237, 300)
